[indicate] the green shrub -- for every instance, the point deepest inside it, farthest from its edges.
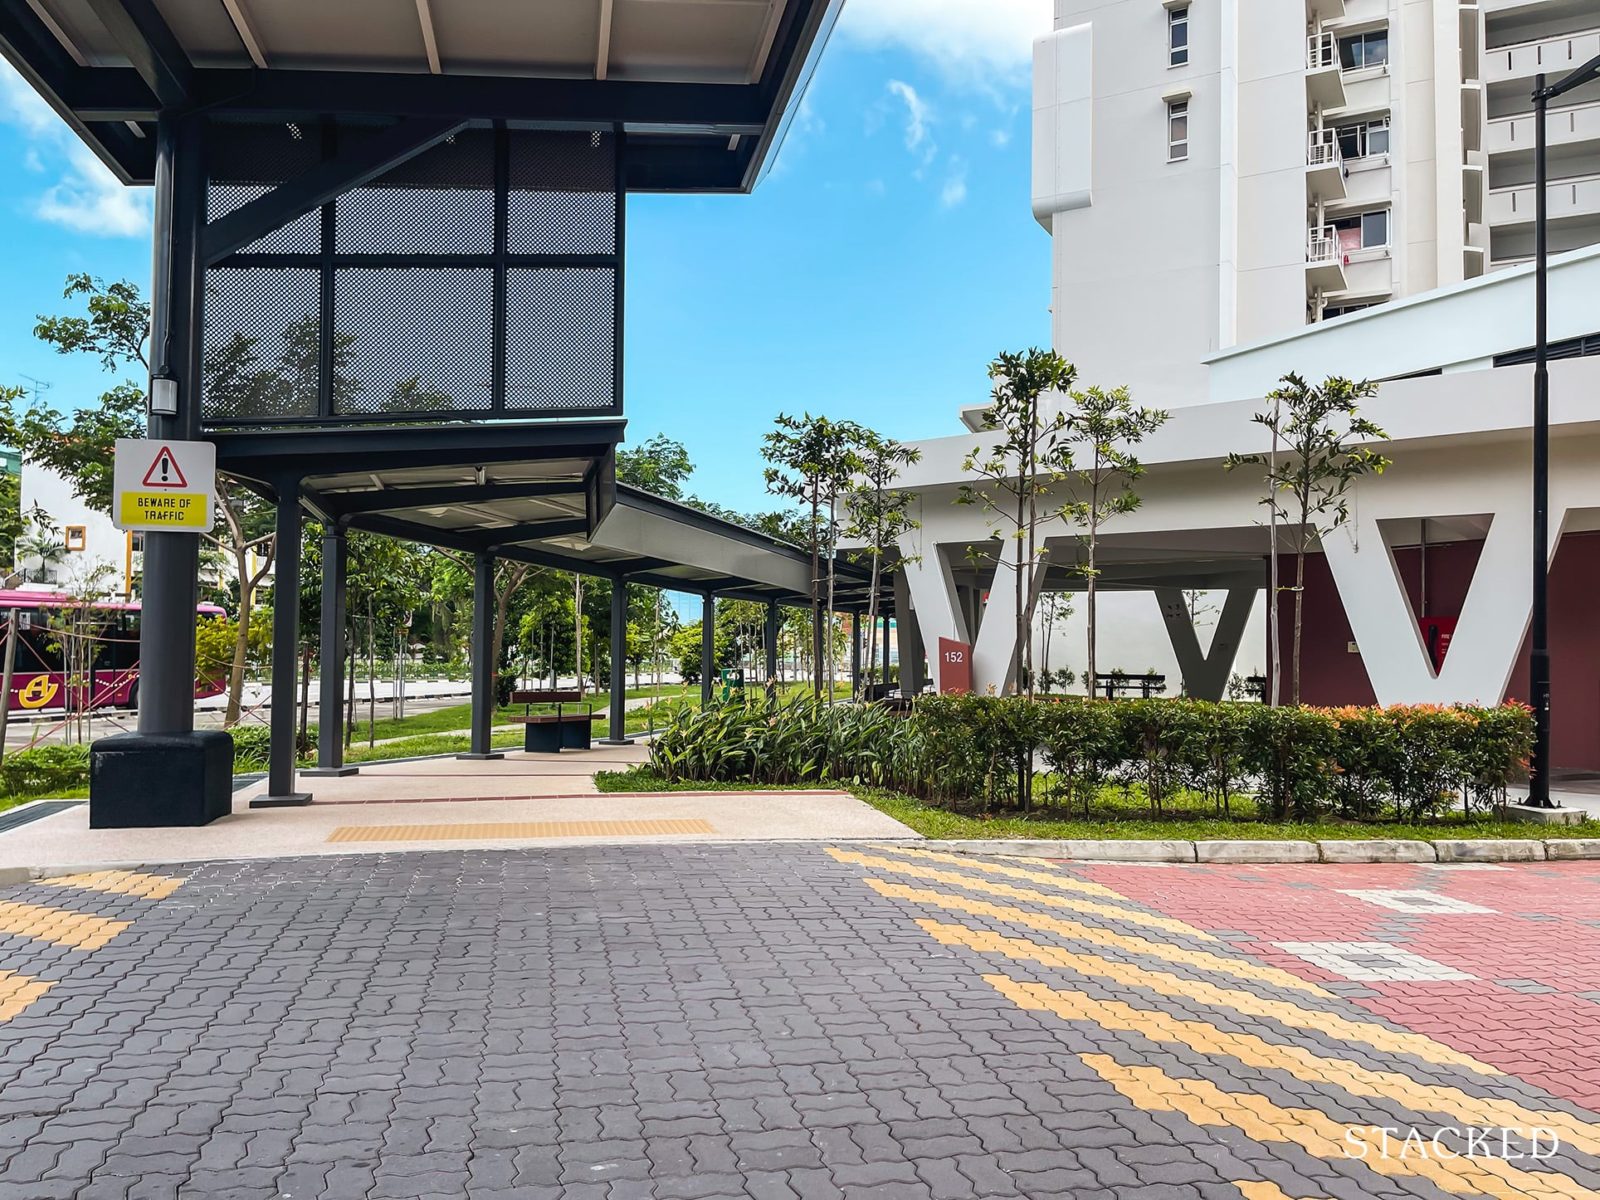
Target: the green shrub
(980, 753)
(44, 769)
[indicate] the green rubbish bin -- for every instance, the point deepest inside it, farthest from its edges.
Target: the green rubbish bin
(732, 683)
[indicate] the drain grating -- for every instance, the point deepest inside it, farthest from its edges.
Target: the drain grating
(32, 812)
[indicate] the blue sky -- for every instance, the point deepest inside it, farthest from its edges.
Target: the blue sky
(887, 257)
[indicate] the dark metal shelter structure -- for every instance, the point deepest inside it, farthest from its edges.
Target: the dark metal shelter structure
(388, 283)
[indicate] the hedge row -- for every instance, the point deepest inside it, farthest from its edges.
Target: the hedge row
(987, 753)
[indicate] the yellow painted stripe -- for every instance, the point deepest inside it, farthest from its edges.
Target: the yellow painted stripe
(77, 930)
(490, 830)
(1132, 915)
(121, 883)
(1298, 1061)
(1206, 1104)
(1065, 882)
(1380, 1037)
(1127, 943)
(17, 992)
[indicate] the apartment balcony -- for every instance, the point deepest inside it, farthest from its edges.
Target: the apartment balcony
(1368, 274)
(1324, 261)
(1470, 17)
(1472, 115)
(1368, 181)
(1552, 55)
(1575, 125)
(1323, 10)
(1366, 89)
(1324, 79)
(1324, 167)
(1568, 200)
(1474, 187)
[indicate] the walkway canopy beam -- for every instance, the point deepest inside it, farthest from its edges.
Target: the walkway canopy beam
(145, 37)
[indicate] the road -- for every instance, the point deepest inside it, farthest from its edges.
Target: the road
(796, 1020)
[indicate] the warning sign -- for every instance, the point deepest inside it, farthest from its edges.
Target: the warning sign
(165, 485)
(165, 471)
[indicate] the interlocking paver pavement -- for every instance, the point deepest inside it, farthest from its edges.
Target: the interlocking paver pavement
(796, 1021)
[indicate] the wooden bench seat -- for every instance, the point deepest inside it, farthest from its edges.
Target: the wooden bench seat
(548, 733)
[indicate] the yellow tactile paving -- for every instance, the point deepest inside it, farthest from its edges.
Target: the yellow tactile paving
(120, 883)
(77, 930)
(1065, 882)
(491, 830)
(1380, 1037)
(1206, 1104)
(1131, 915)
(19, 991)
(1127, 943)
(1298, 1061)
(1259, 1189)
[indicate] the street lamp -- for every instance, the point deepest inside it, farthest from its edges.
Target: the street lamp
(1539, 634)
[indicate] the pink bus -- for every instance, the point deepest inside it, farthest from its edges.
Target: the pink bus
(37, 679)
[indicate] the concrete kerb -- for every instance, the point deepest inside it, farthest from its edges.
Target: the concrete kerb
(1486, 850)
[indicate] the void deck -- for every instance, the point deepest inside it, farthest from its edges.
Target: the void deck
(390, 247)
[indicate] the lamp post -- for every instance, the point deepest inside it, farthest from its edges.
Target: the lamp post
(1539, 632)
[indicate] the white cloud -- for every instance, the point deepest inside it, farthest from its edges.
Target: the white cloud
(90, 199)
(981, 43)
(918, 118)
(954, 190)
(86, 197)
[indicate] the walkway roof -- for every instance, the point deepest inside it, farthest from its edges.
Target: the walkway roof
(703, 88)
(540, 493)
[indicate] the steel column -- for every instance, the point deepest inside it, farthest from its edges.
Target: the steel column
(708, 646)
(771, 639)
(330, 685)
(285, 649)
(483, 664)
(618, 732)
(170, 589)
(1539, 631)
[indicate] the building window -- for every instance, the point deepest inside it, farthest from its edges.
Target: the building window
(1365, 231)
(1178, 36)
(1362, 50)
(1339, 310)
(1365, 139)
(77, 537)
(1177, 130)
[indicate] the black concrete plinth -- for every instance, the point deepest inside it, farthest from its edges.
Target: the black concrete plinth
(152, 781)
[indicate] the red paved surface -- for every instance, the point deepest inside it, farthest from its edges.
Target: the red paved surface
(1533, 1008)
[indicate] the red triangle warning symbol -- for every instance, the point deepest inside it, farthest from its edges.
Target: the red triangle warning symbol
(164, 472)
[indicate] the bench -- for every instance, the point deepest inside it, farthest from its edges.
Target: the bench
(1148, 686)
(549, 733)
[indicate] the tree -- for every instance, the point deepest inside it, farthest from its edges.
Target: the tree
(811, 460)
(879, 515)
(660, 466)
(1104, 427)
(1320, 430)
(1020, 465)
(115, 328)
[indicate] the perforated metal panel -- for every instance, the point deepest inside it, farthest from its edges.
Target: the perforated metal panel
(441, 202)
(413, 341)
(561, 193)
(262, 340)
(560, 352)
(480, 278)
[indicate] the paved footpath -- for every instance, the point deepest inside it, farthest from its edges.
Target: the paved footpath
(759, 1020)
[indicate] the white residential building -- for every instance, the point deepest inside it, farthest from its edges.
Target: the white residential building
(1237, 189)
(1233, 169)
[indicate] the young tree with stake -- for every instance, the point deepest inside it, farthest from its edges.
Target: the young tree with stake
(811, 460)
(1105, 427)
(1308, 484)
(1018, 467)
(879, 515)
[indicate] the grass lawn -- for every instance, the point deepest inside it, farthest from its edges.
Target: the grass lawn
(1117, 824)
(456, 717)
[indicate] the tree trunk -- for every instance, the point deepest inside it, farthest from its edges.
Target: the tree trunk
(241, 645)
(305, 697)
(350, 689)
(577, 629)
(1089, 595)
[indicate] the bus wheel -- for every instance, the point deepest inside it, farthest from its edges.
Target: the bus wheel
(133, 697)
